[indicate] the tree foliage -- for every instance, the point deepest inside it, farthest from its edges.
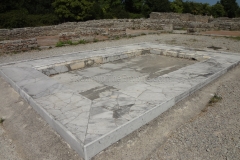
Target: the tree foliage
(158, 5)
(196, 8)
(238, 12)
(230, 7)
(177, 6)
(218, 10)
(73, 10)
(21, 13)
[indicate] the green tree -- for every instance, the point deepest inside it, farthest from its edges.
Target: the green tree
(112, 8)
(8, 5)
(73, 10)
(176, 6)
(217, 10)
(230, 7)
(38, 6)
(196, 8)
(14, 19)
(96, 11)
(238, 12)
(158, 5)
(134, 6)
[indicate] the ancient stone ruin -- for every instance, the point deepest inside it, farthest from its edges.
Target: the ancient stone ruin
(24, 39)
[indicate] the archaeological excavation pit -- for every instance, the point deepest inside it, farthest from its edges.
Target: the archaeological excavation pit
(95, 98)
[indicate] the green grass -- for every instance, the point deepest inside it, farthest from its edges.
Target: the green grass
(82, 41)
(235, 38)
(59, 44)
(63, 43)
(214, 99)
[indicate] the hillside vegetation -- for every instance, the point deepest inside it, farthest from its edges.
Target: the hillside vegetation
(29, 13)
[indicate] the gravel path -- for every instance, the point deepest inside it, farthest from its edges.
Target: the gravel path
(213, 134)
(189, 130)
(7, 150)
(193, 41)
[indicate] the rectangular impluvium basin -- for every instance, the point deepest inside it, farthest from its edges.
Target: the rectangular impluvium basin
(94, 98)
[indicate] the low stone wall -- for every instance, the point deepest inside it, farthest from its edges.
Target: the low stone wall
(87, 28)
(90, 34)
(11, 46)
(181, 17)
(157, 21)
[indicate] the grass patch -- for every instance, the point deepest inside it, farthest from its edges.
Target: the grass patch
(95, 40)
(64, 43)
(235, 38)
(214, 99)
(82, 41)
(116, 37)
(1, 120)
(59, 44)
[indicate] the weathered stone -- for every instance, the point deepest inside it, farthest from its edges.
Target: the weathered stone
(77, 65)
(18, 45)
(97, 60)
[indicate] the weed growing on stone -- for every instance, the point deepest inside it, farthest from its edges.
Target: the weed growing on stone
(59, 44)
(117, 38)
(95, 40)
(1, 120)
(63, 43)
(214, 99)
(68, 42)
(82, 41)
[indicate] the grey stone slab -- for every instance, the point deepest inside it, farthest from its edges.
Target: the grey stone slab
(93, 71)
(84, 85)
(67, 77)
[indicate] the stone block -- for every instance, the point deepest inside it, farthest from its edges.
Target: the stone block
(77, 65)
(97, 60)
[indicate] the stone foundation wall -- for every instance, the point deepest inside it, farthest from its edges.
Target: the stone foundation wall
(198, 22)
(83, 28)
(11, 46)
(157, 21)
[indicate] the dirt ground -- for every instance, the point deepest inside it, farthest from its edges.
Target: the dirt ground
(222, 33)
(190, 130)
(47, 40)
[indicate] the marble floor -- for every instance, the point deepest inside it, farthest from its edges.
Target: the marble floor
(94, 98)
